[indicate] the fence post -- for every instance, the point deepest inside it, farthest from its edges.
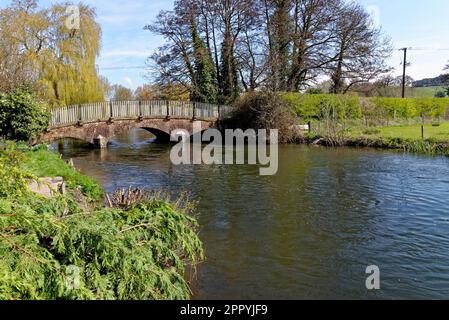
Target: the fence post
(111, 114)
(80, 117)
(168, 110)
(140, 111)
(194, 112)
(310, 126)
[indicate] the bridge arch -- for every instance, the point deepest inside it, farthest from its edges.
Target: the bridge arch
(92, 132)
(104, 120)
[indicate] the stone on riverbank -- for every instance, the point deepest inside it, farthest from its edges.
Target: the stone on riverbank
(48, 187)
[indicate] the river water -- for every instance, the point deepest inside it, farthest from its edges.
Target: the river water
(308, 232)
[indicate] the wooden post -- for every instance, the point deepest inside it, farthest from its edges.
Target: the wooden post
(80, 116)
(194, 112)
(310, 126)
(111, 114)
(140, 111)
(168, 110)
(422, 131)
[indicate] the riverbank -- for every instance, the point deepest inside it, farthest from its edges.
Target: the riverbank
(429, 147)
(72, 246)
(424, 139)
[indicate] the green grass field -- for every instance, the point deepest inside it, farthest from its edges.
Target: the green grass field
(425, 92)
(440, 133)
(408, 132)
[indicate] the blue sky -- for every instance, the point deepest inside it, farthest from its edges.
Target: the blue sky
(422, 25)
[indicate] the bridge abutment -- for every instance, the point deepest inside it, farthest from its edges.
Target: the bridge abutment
(100, 142)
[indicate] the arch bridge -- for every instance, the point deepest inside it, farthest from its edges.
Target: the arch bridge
(98, 123)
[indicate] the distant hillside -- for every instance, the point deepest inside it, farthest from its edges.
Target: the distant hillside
(441, 80)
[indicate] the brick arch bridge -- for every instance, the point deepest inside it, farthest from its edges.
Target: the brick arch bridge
(98, 123)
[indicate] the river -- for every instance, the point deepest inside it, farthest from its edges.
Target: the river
(308, 232)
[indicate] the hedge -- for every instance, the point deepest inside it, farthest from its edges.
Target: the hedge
(318, 106)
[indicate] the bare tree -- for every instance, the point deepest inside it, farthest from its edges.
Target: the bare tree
(361, 49)
(281, 45)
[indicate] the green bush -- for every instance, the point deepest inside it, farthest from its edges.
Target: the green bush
(137, 254)
(412, 107)
(52, 249)
(351, 107)
(395, 107)
(13, 178)
(319, 106)
(263, 110)
(22, 117)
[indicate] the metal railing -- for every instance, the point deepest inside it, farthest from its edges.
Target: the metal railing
(128, 110)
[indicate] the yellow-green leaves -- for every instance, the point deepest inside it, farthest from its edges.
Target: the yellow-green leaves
(37, 48)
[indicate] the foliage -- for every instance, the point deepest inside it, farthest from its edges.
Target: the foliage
(427, 146)
(228, 83)
(22, 117)
(148, 92)
(204, 89)
(42, 163)
(412, 107)
(318, 106)
(39, 47)
(349, 107)
(13, 180)
(282, 45)
(440, 94)
(264, 111)
(49, 252)
(118, 92)
(362, 52)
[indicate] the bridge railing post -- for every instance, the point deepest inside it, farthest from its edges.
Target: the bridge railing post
(140, 111)
(194, 118)
(111, 112)
(168, 109)
(80, 116)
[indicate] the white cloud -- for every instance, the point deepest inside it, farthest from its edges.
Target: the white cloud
(129, 81)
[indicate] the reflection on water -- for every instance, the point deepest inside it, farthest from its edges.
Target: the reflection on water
(311, 230)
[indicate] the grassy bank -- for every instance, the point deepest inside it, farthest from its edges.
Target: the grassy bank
(42, 163)
(434, 132)
(64, 248)
(405, 137)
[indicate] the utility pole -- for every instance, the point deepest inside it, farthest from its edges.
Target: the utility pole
(404, 72)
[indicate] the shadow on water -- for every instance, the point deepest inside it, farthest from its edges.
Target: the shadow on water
(311, 230)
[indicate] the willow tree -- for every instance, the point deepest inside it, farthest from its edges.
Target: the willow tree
(67, 66)
(22, 37)
(59, 60)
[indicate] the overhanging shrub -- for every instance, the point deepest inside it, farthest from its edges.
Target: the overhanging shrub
(22, 117)
(263, 110)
